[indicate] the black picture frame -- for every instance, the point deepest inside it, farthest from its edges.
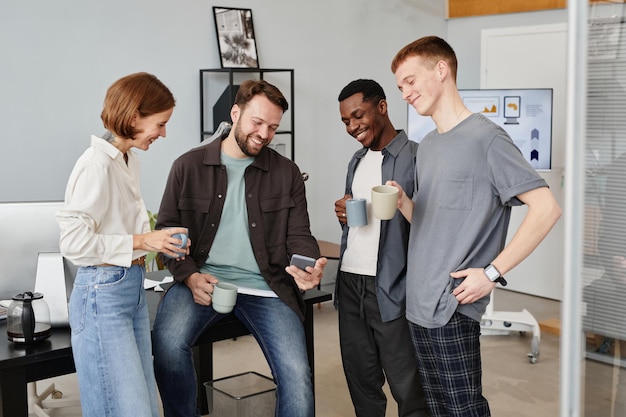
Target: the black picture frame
(235, 37)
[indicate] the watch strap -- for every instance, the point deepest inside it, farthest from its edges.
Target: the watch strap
(500, 279)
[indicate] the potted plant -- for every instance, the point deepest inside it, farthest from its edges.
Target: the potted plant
(153, 263)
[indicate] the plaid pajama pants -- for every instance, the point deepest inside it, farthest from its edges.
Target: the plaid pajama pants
(450, 367)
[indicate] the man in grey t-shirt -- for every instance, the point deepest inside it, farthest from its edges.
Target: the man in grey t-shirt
(469, 175)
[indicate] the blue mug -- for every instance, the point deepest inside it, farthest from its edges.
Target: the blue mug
(356, 212)
(183, 238)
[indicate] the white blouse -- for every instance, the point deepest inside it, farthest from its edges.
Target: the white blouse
(103, 208)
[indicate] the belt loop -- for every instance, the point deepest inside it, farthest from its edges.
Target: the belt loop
(141, 261)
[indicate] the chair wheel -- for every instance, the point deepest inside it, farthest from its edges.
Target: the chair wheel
(533, 356)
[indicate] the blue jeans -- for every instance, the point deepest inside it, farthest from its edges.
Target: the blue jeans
(274, 325)
(111, 342)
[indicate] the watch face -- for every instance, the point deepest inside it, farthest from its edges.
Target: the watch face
(492, 273)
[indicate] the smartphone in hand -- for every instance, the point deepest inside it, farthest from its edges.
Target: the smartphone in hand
(302, 261)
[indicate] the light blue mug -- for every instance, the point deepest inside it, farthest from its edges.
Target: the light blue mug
(183, 237)
(356, 212)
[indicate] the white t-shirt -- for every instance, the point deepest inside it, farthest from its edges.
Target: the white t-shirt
(361, 254)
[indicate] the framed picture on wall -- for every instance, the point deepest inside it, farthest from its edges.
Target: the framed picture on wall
(235, 37)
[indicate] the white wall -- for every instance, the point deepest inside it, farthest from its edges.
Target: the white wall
(541, 273)
(58, 59)
(464, 36)
(508, 61)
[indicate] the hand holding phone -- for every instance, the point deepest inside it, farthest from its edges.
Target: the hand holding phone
(302, 261)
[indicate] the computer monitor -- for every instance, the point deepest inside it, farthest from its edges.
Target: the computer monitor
(526, 115)
(27, 229)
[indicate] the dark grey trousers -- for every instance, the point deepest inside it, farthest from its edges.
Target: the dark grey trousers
(372, 351)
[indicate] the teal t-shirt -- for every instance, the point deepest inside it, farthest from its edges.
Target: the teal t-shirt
(231, 258)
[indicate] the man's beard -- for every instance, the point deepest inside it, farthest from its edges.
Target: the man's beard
(242, 141)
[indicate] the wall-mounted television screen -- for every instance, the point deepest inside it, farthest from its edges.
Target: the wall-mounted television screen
(526, 115)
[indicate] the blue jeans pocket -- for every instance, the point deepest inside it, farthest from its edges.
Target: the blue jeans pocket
(109, 276)
(78, 307)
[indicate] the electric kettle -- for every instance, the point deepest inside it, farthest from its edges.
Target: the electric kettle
(28, 319)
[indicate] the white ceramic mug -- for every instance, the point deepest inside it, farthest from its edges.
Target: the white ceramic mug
(384, 201)
(224, 297)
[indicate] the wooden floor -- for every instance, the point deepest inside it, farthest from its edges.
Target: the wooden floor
(513, 386)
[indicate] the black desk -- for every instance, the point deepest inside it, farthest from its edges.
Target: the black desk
(53, 357)
(18, 366)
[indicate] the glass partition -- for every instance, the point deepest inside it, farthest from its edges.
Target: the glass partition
(603, 272)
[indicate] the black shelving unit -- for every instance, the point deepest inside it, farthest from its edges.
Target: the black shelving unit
(218, 88)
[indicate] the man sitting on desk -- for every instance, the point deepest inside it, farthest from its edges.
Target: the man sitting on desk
(246, 211)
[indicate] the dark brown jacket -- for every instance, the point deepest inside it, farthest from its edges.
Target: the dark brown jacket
(277, 214)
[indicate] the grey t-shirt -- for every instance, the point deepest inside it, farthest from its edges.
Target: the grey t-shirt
(467, 180)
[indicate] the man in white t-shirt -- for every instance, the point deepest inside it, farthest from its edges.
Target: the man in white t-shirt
(370, 290)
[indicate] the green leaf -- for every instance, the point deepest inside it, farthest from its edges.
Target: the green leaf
(152, 262)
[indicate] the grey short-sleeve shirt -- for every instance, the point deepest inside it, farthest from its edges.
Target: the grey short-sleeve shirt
(467, 180)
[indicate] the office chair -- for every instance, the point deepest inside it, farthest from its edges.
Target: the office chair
(39, 404)
(504, 322)
(222, 130)
(51, 281)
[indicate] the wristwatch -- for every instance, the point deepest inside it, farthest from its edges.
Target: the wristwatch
(494, 275)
